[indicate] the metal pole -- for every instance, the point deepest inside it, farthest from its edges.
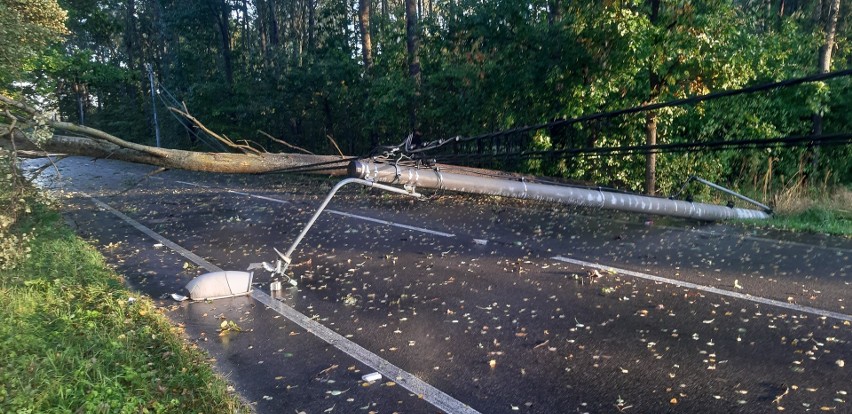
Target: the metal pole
(153, 103)
(429, 178)
(286, 256)
(733, 193)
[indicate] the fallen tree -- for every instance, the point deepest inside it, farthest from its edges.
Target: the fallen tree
(96, 143)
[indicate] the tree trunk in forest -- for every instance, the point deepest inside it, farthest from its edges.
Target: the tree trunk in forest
(224, 23)
(274, 29)
(828, 23)
(130, 45)
(312, 25)
(366, 43)
(650, 158)
(411, 42)
(554, 12)
(651, 117)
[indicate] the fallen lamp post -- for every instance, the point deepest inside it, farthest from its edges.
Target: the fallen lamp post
(225, 284)
(217, 285)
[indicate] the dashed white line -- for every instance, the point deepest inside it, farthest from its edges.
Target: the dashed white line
(340, 213)
(722, 292)
(428, 393)
(390, 223)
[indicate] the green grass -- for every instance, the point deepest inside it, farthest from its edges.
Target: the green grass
(72, 342)
(825, 212)
(812, 220)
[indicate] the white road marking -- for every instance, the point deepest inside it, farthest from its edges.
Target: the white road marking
(771, 241)
(434, 396)
(390, 223)
(430, 394)
(156, 236)
(723, 292)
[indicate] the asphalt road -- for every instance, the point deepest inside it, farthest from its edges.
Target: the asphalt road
(478, 304)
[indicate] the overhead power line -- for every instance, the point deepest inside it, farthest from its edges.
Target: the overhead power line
(408, 147)
(788, 141)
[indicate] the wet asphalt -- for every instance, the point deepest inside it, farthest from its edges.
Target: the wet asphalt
(485, 312)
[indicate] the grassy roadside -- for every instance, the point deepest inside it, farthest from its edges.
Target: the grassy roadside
(809, 211)
(73, 340)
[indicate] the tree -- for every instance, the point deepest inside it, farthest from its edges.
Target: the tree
(366, 42)
(97, 143)
(28, 27)
(653, 94)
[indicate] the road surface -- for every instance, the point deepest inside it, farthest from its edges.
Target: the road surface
(476, 304)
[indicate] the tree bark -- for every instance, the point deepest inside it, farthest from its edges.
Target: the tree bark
(366, 42)
(829, 25)
(651, 117)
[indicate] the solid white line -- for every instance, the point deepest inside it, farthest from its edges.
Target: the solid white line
(430, 394)
(156, 236)
(434, 396)
(680, 283)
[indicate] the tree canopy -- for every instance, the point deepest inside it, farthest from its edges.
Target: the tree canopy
(313, 73)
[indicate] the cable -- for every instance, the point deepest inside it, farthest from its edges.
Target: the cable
(408, 148)
(798, 140)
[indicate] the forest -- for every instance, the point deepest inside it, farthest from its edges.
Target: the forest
(332, 76)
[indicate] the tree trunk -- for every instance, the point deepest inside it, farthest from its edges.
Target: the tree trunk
(554, 12)
(651, 117)
(274, 29)
(650, 158)
(312, 25)
(130, 45)
(411, 42)
(366, 43)
(829, 25)
(224, 22)
(228, 163)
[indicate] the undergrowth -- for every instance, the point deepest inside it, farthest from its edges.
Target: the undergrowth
(74, 340)
(826, 211)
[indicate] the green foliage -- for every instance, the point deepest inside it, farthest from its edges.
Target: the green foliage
(26, 27)
(72, 341)
(296, 73)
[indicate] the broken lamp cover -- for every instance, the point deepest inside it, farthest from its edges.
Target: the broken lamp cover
(218, 285)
